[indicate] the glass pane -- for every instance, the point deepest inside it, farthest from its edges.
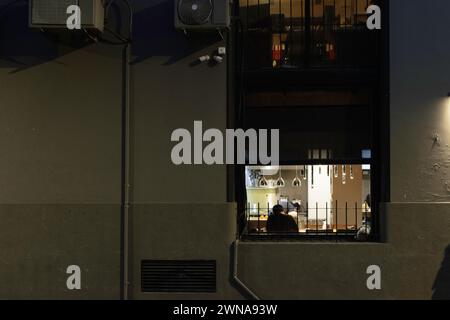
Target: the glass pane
(308, 199)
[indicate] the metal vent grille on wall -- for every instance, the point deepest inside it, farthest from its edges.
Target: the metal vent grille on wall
(178, 276)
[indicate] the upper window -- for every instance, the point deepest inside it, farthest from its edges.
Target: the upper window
(307, 33)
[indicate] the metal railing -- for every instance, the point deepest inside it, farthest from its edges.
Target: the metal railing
(328, 221)
(307, 34)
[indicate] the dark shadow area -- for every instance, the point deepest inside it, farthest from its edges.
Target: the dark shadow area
(154, 34)
(441, 286)
(22, 47)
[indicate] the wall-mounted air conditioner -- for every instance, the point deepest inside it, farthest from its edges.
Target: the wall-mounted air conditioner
(202, 14)
(53, 13)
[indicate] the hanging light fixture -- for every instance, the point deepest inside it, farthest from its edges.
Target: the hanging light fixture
(312, 177)
(304, 173)
(263, 182)
(296, 182)
(351, 173)
(280, 181)
(344, 175)
(336, 171)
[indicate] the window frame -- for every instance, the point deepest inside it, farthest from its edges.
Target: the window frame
(380, 179)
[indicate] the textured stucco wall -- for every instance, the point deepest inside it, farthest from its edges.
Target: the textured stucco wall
(414, 261)
(60, 169)
(420, 108)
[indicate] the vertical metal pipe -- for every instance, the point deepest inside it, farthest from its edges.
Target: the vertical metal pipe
(346, 218)
(125, 170)
(345, 13)
(326, 217)
(307, 217)
(291, 35)
(236, 279)
(248, 214)
(259, 229)
(281, 26)
(298, 225)
(337, 226)
(257, 15)
(365, 216)
(317, 218)
(307, 33)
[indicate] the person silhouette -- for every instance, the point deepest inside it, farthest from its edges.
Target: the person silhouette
(441, 286)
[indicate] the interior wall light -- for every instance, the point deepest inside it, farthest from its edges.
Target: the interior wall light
(296, 182)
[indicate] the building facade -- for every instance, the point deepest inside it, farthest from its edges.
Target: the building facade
(70, 194)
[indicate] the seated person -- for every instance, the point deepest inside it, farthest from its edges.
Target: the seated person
(280, 222)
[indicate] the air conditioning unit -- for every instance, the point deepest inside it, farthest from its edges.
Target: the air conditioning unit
(206, 15)
(53, 13)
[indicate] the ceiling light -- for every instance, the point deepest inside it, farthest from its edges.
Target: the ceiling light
(296, 182)
(263, 182)
(280, 181)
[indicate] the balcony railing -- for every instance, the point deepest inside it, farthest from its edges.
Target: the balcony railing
(298, 34)
(348, 222)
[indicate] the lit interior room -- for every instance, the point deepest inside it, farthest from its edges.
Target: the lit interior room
(326, 198)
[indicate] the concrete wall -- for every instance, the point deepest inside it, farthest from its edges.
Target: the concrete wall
(184, 232)
(39, 242)
(179, 212)
(60, 169)
(419, 102)
(60, 164)
(338, 270)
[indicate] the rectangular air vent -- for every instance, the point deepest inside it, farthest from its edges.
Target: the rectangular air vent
(53, 13)
(178, 276)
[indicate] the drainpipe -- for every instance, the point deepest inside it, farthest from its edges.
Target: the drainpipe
(126, 176)
(236, 279)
